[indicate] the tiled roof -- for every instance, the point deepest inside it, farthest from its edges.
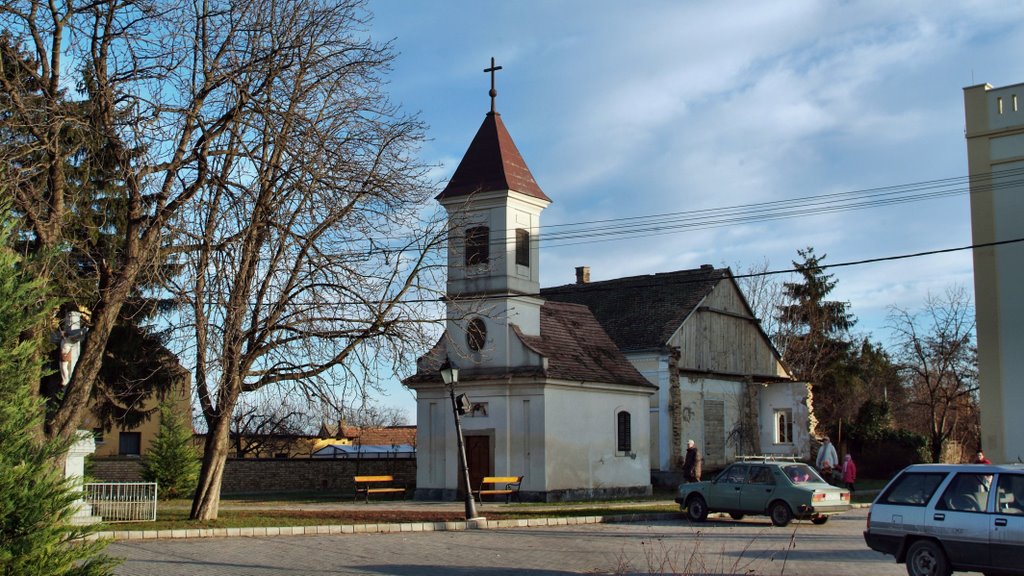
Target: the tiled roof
(371, 435)
(642, 312)
(492, 162)
(578, 349)
(575, 345)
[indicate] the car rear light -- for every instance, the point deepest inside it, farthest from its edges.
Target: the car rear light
(818, 497)
(845, 496)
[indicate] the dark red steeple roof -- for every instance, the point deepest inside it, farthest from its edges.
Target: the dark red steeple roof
(492, 162)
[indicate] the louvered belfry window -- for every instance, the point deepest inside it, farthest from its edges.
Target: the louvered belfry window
(477, 245)
(523, 247)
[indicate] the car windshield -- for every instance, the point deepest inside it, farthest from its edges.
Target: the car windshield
(801, 474)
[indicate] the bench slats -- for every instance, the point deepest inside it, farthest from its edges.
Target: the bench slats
(511, 488)
(368, 488)
(374, 478)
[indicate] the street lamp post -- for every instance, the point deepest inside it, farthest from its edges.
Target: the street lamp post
(450, 375)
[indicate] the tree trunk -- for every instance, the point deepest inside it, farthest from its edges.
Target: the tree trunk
(206, 504)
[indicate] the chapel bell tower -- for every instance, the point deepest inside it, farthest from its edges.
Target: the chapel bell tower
(493, 205)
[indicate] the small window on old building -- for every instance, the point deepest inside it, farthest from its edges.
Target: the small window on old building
(784, 426)
(97, 434)
(476, 334)
(477, 245)
(129, 443)
(523, 247)
(624, 432)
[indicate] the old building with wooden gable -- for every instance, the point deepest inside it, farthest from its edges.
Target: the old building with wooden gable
(720, 380)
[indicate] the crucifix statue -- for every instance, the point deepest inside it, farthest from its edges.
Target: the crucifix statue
(69, 337)
(493, 92)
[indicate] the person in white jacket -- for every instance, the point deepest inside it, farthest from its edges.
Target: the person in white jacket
(827, 459)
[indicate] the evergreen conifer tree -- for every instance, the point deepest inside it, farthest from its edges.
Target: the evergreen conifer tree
(172, 461)
(37, 503)
(814, 337)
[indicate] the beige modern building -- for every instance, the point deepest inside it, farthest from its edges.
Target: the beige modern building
(995, 155)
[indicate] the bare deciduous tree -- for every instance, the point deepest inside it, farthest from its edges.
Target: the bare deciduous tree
(294, 272)
(111, 103)
(763, 292)
(266, 427)
(938, 361)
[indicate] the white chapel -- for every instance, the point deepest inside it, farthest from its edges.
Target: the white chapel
(553, 399)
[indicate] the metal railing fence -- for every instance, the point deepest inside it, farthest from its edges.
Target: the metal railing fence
(122, 501)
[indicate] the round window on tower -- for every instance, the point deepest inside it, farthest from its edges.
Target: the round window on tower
(476, 334)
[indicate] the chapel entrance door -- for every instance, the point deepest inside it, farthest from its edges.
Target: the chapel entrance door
(478, 457)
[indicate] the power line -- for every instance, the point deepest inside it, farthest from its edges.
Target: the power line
(684, 281)
(645, 226)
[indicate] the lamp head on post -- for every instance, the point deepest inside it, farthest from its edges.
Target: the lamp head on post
(449, 373)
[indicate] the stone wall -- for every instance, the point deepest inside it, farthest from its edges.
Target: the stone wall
(254, 475)
(114, 469)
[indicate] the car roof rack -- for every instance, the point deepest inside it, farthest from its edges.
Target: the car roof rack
(767, 458)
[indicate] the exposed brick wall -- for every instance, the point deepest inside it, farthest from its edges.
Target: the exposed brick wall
(277, 475)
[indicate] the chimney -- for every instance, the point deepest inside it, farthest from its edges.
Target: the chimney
(583, 274)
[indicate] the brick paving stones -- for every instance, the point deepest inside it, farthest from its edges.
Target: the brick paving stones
(751, 546)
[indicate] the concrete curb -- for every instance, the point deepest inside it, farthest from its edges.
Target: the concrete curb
(476, 524)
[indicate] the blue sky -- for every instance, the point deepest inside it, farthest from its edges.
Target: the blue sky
(637, 108)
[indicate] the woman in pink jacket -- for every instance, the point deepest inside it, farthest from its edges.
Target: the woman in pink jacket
(849, 472)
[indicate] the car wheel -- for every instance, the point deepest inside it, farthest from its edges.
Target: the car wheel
(926, 558)
(819, 520)
(696, 509)
(780, 513)
(736, 515)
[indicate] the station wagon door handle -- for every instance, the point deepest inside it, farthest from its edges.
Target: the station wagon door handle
(939, 516)
(1000, 521)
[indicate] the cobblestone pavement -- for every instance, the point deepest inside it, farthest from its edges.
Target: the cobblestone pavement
(751, 546)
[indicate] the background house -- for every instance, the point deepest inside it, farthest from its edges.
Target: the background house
(115, 439)
(720, 380)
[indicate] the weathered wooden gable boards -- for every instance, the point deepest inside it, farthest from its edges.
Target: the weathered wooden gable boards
(722, 336)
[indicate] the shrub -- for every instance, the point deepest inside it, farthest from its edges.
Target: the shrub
(172, 461)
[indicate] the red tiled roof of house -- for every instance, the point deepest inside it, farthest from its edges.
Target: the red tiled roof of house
(372, 435)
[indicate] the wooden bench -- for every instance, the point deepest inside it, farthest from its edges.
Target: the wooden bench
(509, 489)
(373, 485)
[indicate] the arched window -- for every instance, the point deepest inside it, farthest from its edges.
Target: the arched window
(624, 432)
(478, 241)
(523, 247)
(476, 334)
(784, 426)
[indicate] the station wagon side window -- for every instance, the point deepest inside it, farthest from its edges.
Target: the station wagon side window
(1010, 494)
(968, 492)
(912, 488)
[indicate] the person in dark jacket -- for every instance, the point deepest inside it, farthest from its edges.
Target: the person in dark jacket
(692, 462)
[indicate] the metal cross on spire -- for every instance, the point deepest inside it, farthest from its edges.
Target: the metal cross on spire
(493, 92)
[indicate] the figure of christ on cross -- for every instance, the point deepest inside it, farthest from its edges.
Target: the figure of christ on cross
(493, 92)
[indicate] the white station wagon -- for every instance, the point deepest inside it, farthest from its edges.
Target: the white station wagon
(938, 518)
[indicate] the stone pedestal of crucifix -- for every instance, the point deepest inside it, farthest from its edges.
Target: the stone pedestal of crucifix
(74, 470)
